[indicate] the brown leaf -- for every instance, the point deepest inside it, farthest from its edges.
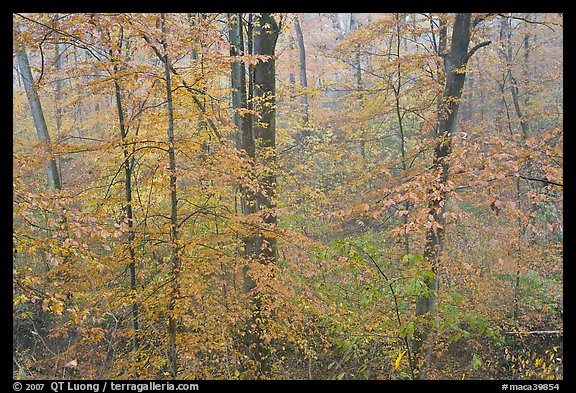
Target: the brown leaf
(71, 364)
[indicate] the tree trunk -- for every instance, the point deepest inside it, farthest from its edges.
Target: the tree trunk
(265, 129)
(358, 85)
(455, 73)
(400, 116)
(238, 83)
(128, 162)
(303, 77)
(245, 140)
(357, 65)
(263, 247)
(54, 181)
(513, 83)
(174, 257)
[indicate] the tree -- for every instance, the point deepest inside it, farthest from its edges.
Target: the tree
(455, 61)
(54, 180)
(174, 247)
(262, 247)
(128, 164)
(238, 85)
(203, 234)
(303, 77)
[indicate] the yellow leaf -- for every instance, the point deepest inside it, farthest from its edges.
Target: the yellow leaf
(57, 307)
(398, 360)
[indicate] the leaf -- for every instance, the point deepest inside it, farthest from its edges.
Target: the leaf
(410, 259)
(476, 362)
(427, 274)
(407, 329)
(416, 287)
(71, 364)
(57, 307)
(398, 360)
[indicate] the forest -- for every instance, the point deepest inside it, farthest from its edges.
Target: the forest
(287, 196)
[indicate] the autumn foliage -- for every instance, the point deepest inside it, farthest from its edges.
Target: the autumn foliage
(143, 263)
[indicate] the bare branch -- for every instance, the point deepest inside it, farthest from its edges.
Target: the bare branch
(541, 180)
(532, 22)
(480, 18)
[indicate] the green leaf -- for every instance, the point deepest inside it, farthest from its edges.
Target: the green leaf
(427, 274)
(407, 329)
(410, 260)
(476, 362)
(416, 287)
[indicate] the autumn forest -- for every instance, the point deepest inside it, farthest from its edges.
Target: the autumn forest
(333, 196)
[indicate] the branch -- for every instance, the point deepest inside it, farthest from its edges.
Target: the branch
(22, 371)
(540, 180)
(396, 307)
(532, 22)
(473, 50)
(76, 41)
(186, 86)
(481, 18)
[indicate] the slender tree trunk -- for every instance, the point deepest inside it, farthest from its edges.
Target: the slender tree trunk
(291, 75)
(59, 64)
(357, 64)
(399, 116)
(238, 79)
(526, 65)
(358, 84)
(506, 37)
(128, 162)
(174, 257)
(303, 77)
(455, 73)
(54, 180)
(194, 37)
(250, 49)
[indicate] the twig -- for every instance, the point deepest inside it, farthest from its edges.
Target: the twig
(22, 371)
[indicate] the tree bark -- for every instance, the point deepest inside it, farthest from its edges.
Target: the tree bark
(54, 180)
(303, 77)
(128, 162)
(263, 246)
(245, 140)
(357, 65)
(455, 73)
(506, 36)
(265, 128)
(400, 116)
(238, 84)
(174, 257)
